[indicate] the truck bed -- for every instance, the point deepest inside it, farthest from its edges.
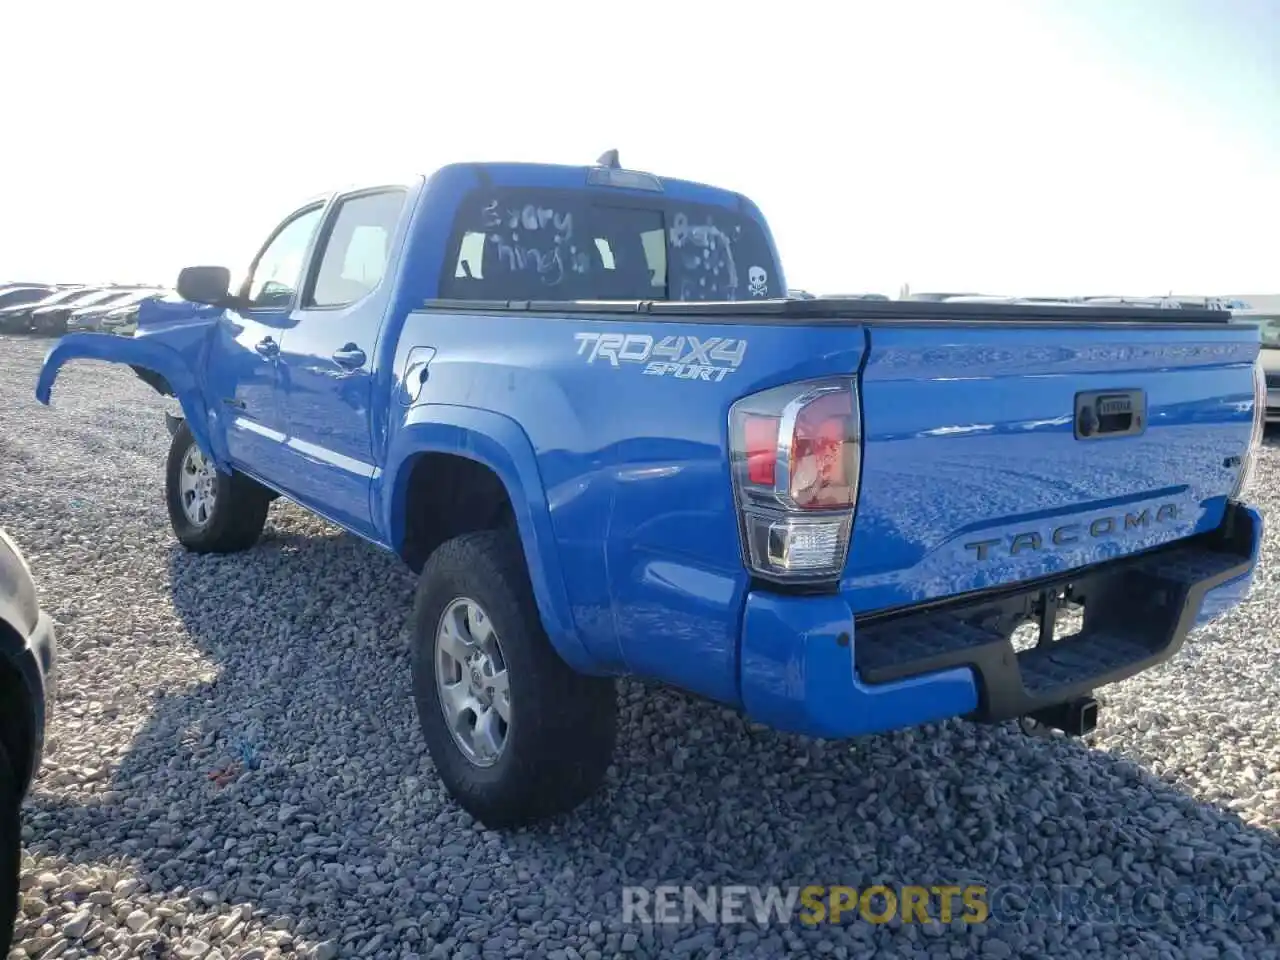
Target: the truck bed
(973, 475)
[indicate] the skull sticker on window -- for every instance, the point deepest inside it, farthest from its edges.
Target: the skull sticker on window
(758, 282)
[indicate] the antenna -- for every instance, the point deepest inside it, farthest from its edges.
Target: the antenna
(609, 159)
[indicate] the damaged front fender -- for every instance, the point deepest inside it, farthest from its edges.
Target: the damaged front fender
(150, 357)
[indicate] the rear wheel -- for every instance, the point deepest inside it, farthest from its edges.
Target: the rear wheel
(210, 511)
(515, 733)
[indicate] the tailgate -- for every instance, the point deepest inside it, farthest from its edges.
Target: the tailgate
(977, 472)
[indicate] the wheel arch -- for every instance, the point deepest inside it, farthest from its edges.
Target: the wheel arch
(498, 444)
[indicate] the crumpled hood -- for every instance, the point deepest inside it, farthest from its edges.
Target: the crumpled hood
(178, 324)
(171, 317)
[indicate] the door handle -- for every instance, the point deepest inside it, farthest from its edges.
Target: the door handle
(349, 356)
(267, 347)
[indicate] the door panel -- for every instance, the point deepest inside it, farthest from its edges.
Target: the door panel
(243, 382)
(327, 360)
(245, 353)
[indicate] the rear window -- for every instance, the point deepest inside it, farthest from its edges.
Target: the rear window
(563, 245)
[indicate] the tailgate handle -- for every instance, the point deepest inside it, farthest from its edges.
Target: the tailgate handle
(1110, 413)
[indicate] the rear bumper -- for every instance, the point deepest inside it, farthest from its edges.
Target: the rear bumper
(806, 666)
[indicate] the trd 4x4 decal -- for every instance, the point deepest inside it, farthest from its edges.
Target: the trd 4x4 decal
(685, 358)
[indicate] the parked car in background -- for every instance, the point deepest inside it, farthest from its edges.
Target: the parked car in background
(1158, 303)
(1023, 301)
(17, 318)
(27, 654)
(121, 321)
(938, 297)
(1268, 322)
(53, 319)
(91, 317)
(16, 294)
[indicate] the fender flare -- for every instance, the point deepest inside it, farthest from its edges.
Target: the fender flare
(499, 443)
(141, 352)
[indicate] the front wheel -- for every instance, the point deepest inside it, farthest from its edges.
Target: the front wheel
(210, 511)
(515, 733)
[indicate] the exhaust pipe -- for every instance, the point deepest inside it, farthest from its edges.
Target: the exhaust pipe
(1076, 718)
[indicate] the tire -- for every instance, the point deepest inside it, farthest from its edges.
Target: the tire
(562, 725)
(235, 506)
(10, 850)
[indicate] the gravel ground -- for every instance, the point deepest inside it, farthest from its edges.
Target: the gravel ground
(328, 834)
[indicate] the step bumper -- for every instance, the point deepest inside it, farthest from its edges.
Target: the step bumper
(807, 666)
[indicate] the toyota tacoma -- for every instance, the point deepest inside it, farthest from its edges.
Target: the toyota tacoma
(577, 401)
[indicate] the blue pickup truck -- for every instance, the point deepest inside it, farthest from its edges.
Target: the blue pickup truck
(578, 402)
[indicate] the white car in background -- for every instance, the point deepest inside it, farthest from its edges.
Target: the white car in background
(122, 307)
(1268, 322)
(121, 321)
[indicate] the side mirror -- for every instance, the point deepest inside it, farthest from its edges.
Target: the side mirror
(210, 285)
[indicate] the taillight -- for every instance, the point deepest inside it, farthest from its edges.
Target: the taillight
(760, 439)
(1255, 437)
(796, 457)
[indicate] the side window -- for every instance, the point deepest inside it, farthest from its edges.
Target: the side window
(278, 271)
(356, 250)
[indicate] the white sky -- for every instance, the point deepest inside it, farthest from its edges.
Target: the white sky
(1044, 146)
